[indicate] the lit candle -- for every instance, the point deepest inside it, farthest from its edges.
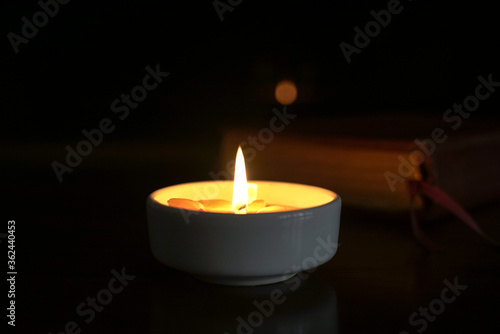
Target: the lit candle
(239, 233)
(243, 200)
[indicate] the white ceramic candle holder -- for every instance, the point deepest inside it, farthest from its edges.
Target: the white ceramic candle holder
(245, 249)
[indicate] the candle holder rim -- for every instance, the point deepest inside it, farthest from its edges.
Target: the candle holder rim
(152, 201)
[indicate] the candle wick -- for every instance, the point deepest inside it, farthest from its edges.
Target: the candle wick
(241, 209)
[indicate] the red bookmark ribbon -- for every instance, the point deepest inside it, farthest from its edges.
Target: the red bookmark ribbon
(440, 197)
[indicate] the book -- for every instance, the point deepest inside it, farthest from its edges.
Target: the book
(371, 171)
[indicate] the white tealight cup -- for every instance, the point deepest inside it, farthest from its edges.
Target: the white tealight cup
(245, 249)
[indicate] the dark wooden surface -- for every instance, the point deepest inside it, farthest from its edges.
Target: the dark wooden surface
(71, 236)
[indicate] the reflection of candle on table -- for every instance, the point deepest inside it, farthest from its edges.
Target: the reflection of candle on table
(243, 200)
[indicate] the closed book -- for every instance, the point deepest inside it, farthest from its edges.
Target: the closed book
(371, 171)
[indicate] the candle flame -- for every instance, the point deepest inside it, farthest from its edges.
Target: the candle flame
(240, 188)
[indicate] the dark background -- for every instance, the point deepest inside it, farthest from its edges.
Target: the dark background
(70, 235)
(65, 78)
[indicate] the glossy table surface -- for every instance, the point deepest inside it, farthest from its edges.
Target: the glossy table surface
(84, 263)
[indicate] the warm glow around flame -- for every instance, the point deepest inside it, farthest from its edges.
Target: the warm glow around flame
(240, 189)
